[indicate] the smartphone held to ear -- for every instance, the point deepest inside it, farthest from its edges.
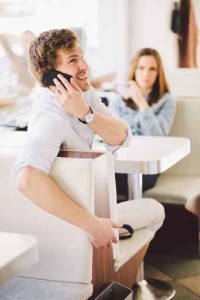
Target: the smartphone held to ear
(52, 74)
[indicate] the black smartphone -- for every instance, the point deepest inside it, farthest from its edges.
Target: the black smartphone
(50, 75)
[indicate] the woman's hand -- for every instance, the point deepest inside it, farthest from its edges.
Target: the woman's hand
(71, 97)
(133, 92)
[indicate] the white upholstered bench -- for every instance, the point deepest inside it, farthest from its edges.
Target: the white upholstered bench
(180, 185)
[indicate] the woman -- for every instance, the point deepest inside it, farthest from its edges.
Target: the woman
(145, 101)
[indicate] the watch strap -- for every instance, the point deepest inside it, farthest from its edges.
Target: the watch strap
(90, 112)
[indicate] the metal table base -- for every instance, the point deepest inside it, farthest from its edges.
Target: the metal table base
(153, 289)
(147, 288)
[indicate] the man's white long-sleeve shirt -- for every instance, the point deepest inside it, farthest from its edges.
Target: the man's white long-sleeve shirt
(50, 127)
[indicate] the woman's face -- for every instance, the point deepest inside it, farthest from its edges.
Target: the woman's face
(146, 71)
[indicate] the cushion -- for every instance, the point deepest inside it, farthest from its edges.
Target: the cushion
(128, 248)
(177, 189)
(32, 289)
(187, 124)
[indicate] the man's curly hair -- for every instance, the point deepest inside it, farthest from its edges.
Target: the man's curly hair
(44, 49)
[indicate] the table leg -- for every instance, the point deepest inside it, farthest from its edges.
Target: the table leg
(147, 288)
(134, 186)
(153, 289)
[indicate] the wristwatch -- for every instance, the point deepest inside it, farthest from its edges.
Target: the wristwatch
(88, 117)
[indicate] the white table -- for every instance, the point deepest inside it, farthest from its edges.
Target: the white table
(148, 155)
(18, 252)
(144, 155)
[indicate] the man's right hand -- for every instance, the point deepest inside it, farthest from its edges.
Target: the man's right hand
(101, 233)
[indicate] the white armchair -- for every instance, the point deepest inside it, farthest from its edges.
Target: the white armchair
(65, 250)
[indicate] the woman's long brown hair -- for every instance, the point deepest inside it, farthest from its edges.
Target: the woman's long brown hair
(160, 86)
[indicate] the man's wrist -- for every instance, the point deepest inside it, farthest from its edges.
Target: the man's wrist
(89, 222)
(86, 111)
(88, 117)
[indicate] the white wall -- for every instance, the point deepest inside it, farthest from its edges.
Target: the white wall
(196, 5)
(150, 27)
(113, 37)
(125, 26)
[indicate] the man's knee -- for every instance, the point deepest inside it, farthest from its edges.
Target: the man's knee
(158, 210)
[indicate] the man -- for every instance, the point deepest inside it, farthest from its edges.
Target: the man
(69, 116)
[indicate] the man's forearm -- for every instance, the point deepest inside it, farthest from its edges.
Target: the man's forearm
(45, 193)
(112, 130)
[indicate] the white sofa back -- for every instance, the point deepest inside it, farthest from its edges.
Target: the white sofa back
(65, 250)
(187, 124)
(184, 82)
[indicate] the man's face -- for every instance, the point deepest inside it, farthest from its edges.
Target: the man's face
(73, 63)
